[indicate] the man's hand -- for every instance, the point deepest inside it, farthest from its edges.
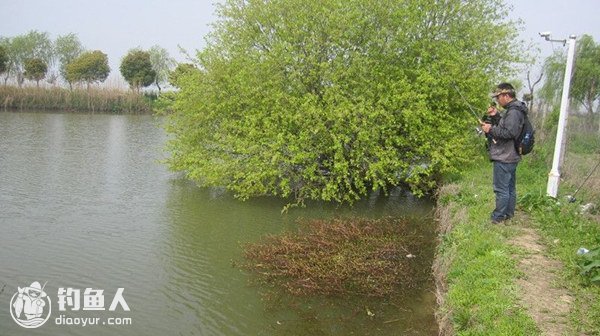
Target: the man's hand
(485, 127)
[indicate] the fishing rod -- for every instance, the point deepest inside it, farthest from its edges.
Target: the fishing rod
(572, 198)
(44, 286)
(471, 109)
(477, 129)
(467, 103)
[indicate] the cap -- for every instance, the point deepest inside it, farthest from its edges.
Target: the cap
(498, 92)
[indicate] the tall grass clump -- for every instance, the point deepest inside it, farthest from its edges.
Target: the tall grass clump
(106, 100)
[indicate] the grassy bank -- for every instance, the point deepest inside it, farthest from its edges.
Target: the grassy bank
(76, 100)
(477, 266)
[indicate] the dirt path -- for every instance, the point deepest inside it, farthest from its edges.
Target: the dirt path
(545, 302)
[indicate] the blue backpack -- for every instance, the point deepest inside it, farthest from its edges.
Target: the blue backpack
(524, 143)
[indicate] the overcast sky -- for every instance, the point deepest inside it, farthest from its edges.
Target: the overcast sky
(562, 18)
(115, 26)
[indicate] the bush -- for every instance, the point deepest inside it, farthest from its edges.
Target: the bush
(363, 98)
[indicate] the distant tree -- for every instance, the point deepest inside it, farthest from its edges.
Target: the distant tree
(5, 42)
(35, 69)
(180, 72)
(89, 67)
(529, 96)
(3, 59)
(162, 64)
(554, 70)
(329, 99)
(585, 88)
(585, 81)
(137, 70)
(51, 78)
(67, 48)
(31, 45)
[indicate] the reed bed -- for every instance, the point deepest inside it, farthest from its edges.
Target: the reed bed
(104, 100)
(339, 257)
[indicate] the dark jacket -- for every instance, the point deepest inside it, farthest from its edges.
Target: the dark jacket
(502, 148)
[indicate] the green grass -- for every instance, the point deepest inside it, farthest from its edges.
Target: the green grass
(564, 231)
(482, 296)
(481, 274)
(585, 143)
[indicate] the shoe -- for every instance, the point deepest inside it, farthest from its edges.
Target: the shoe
(498, 221)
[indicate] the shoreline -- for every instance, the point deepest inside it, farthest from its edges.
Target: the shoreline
(93, 100)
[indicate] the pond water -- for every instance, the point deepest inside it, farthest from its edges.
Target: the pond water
(85, 203)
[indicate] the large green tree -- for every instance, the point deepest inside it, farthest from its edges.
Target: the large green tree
(89, 67)
(329, 99)
(67, 48)
(35, 69)
(137, 70)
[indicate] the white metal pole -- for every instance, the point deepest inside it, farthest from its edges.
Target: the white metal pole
(554, 175)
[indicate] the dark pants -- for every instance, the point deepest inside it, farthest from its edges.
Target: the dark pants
(505, 179)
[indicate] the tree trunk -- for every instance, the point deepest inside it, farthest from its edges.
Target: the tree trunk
(20, 79)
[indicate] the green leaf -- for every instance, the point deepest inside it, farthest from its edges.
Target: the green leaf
(589, 267)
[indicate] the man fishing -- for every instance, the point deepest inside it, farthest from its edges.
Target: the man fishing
(502, 151)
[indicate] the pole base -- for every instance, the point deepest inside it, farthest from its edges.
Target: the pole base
(553, 180)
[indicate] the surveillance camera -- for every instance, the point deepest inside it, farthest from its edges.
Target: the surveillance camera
(545, 34)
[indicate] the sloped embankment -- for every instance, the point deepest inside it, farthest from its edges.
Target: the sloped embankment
(474, 268)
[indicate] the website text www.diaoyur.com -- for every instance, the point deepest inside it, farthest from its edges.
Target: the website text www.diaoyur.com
(92, 321)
